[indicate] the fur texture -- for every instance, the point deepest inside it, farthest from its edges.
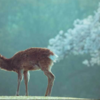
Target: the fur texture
(30, 59)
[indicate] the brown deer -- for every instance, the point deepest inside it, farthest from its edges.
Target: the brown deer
(30, 59)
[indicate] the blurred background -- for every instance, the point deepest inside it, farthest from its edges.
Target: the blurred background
(31, 23)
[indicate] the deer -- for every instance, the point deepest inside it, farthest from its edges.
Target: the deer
(30, 60)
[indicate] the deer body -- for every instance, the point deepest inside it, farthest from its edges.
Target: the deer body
(30, 59)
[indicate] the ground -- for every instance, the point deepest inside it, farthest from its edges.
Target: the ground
(39, 98)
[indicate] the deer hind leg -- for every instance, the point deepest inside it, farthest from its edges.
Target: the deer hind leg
(50, 82)
(20, 76)
(26, 79)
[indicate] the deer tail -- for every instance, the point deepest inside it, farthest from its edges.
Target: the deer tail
(53, 57)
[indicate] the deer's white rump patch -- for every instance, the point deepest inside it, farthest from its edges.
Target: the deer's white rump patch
(53, 57)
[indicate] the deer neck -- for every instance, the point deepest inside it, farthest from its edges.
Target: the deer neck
(5, 64)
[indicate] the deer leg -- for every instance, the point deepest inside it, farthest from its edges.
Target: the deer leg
(50, 82)
(19, 80)
(26, 77)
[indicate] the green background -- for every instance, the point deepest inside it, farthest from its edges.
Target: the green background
(31, 23)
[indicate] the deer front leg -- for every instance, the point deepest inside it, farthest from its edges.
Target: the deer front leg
(26, 79)
(50, 82)
(19, 80)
